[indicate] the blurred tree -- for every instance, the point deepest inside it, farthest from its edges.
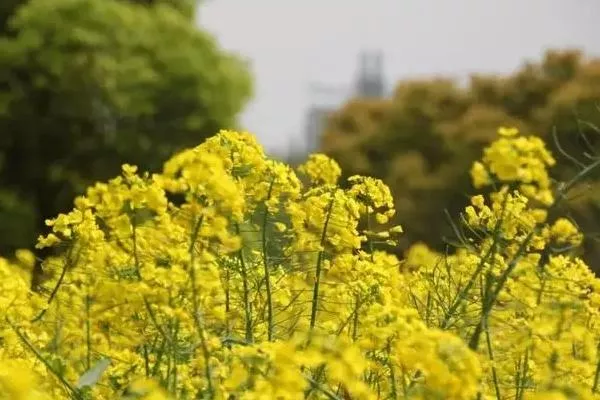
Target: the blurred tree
(86, 85)
(7, 9)
(186, 7)
(423, 139)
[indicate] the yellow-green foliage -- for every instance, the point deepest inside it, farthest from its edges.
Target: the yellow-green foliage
(422, 138)
(225, 277)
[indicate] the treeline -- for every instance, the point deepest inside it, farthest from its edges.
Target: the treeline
(423, 139)
(86, 85)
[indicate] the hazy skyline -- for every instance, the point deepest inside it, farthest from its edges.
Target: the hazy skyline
(293, 44)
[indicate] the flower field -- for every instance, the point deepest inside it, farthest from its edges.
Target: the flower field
(230, 275)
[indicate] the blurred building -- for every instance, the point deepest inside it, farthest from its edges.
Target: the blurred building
(369, 82)
(315, 124)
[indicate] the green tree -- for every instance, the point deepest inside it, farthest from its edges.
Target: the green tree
(423, 139)
(86, 85)
(7, 9)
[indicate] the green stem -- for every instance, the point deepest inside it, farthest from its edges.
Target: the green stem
(491, 355)
(491, 300)
(480, 266)
(523, 376)
(67, 264)
(316, 287)
(597, 374)
(159, 358)
(88, 333)
(355, 319)
(394, 386)
(136, 257)
(146, 360)
(74, 392)
(195, 303)
(246, 294)
(266, 267)
(228, 300)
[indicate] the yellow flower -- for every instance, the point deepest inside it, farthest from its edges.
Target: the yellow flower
(321, 169)
(250, 285)
(479, 175)
(508, 132)
(564, 232)
(129, 170)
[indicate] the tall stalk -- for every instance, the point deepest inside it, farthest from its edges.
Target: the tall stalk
(266, 266)
(316, 286)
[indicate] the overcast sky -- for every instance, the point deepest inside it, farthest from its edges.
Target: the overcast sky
(292, 44)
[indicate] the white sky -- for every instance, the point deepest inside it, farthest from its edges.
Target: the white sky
(292, 44)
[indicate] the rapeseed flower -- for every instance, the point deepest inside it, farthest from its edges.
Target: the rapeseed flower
(232, 275)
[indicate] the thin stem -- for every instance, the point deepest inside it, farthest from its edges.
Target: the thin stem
(491, 355)
(146, 360)
(246, 294)
(597, 374)
(491, 300)
(568, 185)
(481, 265)
(394, 386)
(316, 287)
(67, 264)
(136, 258)
(523, 376)
(195, 304)
(228, 299)
(316, 385)
(41, 358)
(88, 332)
(355, 319)
(159, 358)
(266, 267)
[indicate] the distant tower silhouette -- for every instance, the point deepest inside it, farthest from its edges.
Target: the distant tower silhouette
(326, 99)
(370, 81)
(315, 125)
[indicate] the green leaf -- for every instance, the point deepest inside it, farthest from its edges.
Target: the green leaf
(93, 375)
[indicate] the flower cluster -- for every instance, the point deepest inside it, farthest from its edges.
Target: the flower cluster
(516, 291)
(229, 275)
